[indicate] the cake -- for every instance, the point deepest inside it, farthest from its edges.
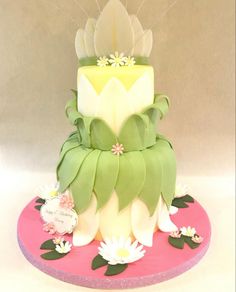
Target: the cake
(116, 191)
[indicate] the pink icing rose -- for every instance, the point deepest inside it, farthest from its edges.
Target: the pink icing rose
(66, 202)
(49, 227)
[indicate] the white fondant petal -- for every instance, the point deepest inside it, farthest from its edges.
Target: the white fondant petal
(143, 225)
(164, 222)
(88, 224)
(173, 210)
(79, 44)
(113, 30)
(112, 222)
(89, 37)
(138, 36)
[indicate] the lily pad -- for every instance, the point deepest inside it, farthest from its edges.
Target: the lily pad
(176, 242)
(113, 270)
(190, 243)
(40, 201)
(53, 255)
(38, 207)
(48, 245)
(181, 202)
(98, 262)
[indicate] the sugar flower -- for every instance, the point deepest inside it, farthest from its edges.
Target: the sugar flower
(175, 234)
(189, 231)
(58, 240)
(129, 61)
(102, 61)
(48, 192)
(63, 247)
(117, 149)
(121, 251)
(49, 227)
(181, 190)
(66, 201)
(197, 239)
(117, 60)
(173, 210)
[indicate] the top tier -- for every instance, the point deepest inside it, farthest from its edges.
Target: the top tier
(114, 31)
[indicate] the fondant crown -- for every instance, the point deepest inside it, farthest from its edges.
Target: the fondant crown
(114, 31)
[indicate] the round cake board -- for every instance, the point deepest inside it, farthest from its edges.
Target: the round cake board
(160, 263)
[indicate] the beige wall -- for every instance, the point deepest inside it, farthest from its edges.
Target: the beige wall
(193, 58)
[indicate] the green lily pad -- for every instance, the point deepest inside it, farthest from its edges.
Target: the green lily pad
(176, 242)
(189, 242)
(38, 207)
(48, 245)
(179, 203)
(98, 262)
(53, 255)
(40, 201)
(188, 199)
(113, 270)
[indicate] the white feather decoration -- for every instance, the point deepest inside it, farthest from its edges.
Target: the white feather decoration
(113, 30)
(138, 36)
(79, 44)
(89, 37)
(148, 41)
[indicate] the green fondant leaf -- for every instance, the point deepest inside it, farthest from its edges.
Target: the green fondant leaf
(98, 262)
(40, 201)
(188, 199)
(189, 242)
(113, 270)
(131, 177)
(38, 207)
(49, 245)
(71, 165)
(83, 184)
(106, 177)
(53, 255)
(151, 190)
(178, 203)
(176, 242)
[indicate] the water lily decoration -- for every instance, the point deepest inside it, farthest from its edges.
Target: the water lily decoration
(188, 231)
(66, 201)
(58, 240)
(175, 234)
(130, 61)
(48, 192)
(117, 149)
(197, 239)
(121, 251)
(63, 247)
(49, 227)
(102, 61)
(117, 60)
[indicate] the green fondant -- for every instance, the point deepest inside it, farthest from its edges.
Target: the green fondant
(189, 242)
(176, 242)
(71, 165)
(53, 255)
(113, 270)
(48, 245)
(151, 190)
(131, 177)
(38, 207)
(188, 199)
(98, 262)
(83, 185)
(92, 61)
(106, 177)
(181, 202)
(40, 201)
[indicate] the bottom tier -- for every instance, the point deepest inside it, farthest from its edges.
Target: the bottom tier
(119, 195)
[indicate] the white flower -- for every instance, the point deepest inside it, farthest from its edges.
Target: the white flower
(48, 192)
(58, 240)
(63, 247)
(129, 61)
(181, 190)
(117, 149)
(102, 61)
(173, 210)
(197, 239)
(121, 251)
(117, 60)
(189, 231)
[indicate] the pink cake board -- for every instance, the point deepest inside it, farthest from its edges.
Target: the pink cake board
(160, 263)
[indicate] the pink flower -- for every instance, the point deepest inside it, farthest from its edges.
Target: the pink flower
(66, 202)
(175, 234)
(197, 239)
(117, 149)
(49, 227)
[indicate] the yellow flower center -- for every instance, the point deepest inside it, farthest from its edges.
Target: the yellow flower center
(123, 252)
(53, 193)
